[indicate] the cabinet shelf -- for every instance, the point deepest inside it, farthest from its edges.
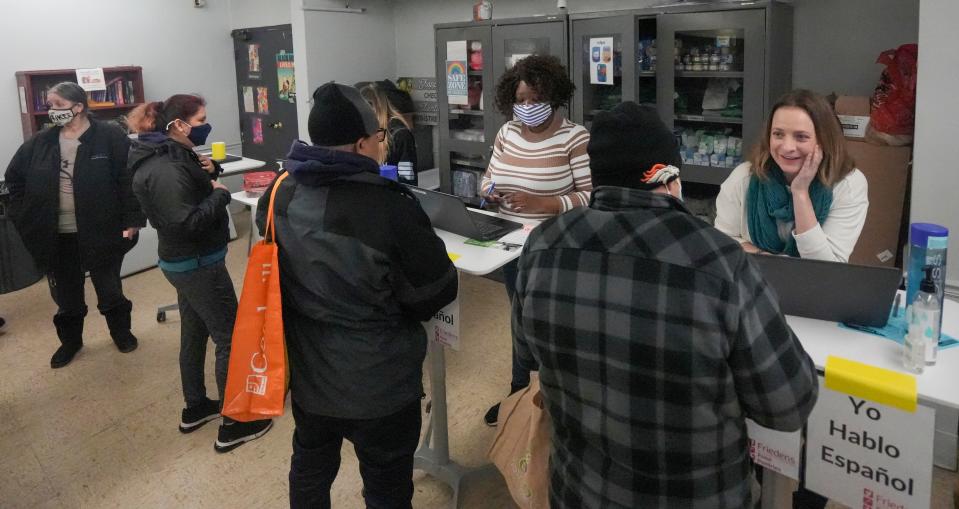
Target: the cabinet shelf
(100, 108)
(478, 113)
(123, 83)
(474, 73)
(646, 74)
(710, 119)
(709, 74)
(714, 175)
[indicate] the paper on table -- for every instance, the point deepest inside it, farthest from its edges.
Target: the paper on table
(516, 236)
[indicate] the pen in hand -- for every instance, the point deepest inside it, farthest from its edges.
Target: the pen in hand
(492, 187)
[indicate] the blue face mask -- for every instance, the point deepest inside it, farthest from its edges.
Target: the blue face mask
(198, 134)
(532, 115)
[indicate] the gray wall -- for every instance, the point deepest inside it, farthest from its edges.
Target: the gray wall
(935, 176)
(836, 42)
(181, 49)
(259, 13)
(344, 47)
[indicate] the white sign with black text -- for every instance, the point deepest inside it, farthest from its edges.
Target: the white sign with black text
(778, 451)
(444, 327)
(91, 79)
(868, 455)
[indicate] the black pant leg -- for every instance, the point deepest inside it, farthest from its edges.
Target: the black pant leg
(385, 448)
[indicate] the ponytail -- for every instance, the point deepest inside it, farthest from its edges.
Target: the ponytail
(156, 115)
(146, 117)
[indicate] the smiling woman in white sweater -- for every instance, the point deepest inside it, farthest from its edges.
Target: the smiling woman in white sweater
(800, 194)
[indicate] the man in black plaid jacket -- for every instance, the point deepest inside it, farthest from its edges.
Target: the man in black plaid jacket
(655, 334)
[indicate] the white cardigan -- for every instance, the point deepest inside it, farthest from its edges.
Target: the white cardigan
(832, 241)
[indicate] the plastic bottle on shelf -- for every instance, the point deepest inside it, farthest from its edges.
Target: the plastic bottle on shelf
(482, 10)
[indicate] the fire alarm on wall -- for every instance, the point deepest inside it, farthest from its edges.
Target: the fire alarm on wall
(199, 3)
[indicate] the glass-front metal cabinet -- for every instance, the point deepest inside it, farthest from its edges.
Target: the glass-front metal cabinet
(711, 89)
(470, 58)
(711, 71)
(603, 65)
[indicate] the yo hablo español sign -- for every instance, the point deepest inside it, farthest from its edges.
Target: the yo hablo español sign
(444, 327)
(869, 455)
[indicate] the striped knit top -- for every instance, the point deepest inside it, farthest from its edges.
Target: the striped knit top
(558, 166)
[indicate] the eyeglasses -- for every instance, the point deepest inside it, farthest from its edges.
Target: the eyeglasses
(380, 135)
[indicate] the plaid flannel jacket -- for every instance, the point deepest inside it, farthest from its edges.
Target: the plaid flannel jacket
(656, 337)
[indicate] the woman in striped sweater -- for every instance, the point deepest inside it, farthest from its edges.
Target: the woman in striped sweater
(539, 167)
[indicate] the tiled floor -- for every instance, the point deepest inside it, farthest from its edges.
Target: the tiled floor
(102, 431)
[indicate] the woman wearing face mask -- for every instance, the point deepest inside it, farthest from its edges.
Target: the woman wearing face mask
(187, 205)
(539, 167)
(73, 206)
(800, 194)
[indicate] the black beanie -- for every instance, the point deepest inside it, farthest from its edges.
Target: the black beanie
(625, 143)
(340, 116)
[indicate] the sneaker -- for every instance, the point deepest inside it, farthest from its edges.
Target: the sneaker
(191, 418)
(235, 433)
(126, 342)
(64, 355)
(492, 416)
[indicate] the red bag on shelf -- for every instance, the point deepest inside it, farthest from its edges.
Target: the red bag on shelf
(894, 100)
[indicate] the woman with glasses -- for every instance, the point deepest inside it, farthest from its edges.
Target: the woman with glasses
(74, 208)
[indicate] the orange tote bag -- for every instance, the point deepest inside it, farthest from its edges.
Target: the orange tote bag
(257, 379)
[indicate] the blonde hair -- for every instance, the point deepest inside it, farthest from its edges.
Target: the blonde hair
(836, 161)
(385, 112)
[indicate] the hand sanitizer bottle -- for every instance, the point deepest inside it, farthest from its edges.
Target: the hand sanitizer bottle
(923, 335)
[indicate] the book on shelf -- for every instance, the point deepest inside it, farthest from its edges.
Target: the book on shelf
(118, 92)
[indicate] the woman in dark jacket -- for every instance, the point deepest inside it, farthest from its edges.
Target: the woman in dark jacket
(73, 206)
(187, 205)
(394, 111)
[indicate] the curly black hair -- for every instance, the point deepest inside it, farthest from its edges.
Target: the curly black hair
(543, 73)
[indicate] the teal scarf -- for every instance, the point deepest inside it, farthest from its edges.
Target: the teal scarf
(769, 200)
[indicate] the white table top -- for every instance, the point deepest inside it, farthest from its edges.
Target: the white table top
(242, 197)
(937, 384)
(242, 166)
(478, 260)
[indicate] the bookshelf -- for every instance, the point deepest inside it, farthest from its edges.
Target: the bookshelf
(124, 92)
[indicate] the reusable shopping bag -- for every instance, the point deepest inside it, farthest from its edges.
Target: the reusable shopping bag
(258, 375)
(520, 449)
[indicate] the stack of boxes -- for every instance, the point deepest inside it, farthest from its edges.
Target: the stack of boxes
(710, 148)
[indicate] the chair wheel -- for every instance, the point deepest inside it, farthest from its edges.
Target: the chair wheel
(161, 316)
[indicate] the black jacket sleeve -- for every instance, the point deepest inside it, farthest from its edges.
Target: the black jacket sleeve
(426, 279)
(403, 148)
(16, 178)
(132, 214)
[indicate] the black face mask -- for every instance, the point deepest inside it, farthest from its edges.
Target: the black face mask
(199, 133)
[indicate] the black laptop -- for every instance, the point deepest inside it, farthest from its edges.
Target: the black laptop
(448, 212)
(837, 292)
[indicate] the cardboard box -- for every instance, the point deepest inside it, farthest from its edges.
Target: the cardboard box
(853, 113)
(887, 172)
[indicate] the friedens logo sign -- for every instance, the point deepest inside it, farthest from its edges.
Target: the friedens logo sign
(778, 451)
(868, 455)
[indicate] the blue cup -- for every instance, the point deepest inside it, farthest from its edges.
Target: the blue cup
(389, 171)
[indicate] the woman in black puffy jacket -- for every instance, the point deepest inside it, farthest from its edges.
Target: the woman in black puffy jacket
(183, 200)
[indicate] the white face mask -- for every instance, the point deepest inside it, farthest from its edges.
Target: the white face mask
(61, 117)
(679, 193)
